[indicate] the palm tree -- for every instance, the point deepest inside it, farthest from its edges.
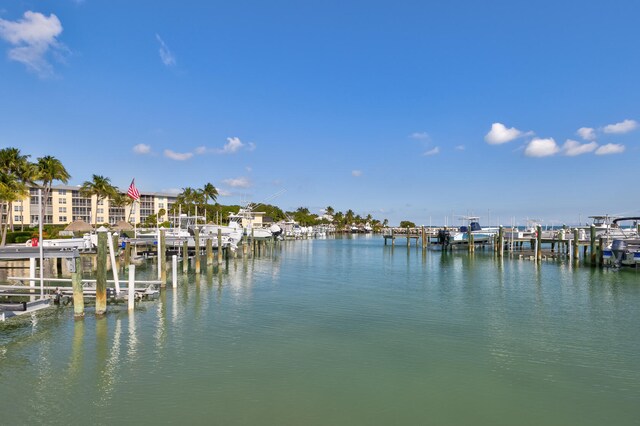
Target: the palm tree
(11, 189)
(210, 191)
(50, 169)
(349, 216)
(101, 187)
(15, 173)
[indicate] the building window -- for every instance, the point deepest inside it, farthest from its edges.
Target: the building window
(161, 205)
(17, 218)
(62, 192)
(100, 219)
(100, 202)
(62, 209)
(17, 208)
(62, 201)
(100, 211)
(63, 218)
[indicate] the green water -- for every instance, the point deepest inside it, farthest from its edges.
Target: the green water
(341, 332)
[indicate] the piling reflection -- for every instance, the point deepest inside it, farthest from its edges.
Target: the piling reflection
(77, 351)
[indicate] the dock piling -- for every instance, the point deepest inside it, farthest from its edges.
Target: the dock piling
(174, 271)
(101, 275)
(131, 302)
(76, 282)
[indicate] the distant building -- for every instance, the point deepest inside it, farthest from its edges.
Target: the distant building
(65, 205)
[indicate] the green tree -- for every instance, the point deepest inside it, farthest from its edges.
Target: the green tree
(50, 169)
(15, 173)
(210, 192)
(407, 224)
(329, 210)
(101, 187)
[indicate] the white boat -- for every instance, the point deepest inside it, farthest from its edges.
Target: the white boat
(480, 235)
(622, 244)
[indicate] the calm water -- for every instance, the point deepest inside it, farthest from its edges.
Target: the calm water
(341, 332)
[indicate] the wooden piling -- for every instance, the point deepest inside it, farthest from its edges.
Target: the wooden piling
(592, 245)
(393, 240)
(127, 254)
(408, 237)
(185, 256)
(500, 241)
(209, 251)
(220, 246)
(76, 283)
(163, 259)
(101, 275)
(576, 244)
(196, 236)
(538, 242)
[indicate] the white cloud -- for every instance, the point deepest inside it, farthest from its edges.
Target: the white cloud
(419, 135)
(224, 193)
(241, 182)
(251, 146)
(610, 148)
(460, 148)
(178, 156)
(165, 54)
(587, 133)
(432, 151)
(201, 150)
(623, 127)
(142, 148)
(232, 146)
(572, 148)
(541, 148)
(356, 173)
(33, 37)
(500, 134)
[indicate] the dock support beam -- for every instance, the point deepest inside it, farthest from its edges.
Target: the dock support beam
(162, 255)
(209, 251)
(501, 241)
(76, 282)
(196, 236)
(592, 245)
(101, 275)
(174, 271)
(220, 246)
(538, 242)
(131, 299)
(185, 256)
(576, 245)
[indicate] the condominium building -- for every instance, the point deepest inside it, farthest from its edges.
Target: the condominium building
(66, 204)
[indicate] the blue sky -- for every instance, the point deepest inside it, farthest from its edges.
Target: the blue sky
(411, 110)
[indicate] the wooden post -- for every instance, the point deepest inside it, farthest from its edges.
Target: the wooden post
(196, 236)
(163, 258)
(76, 282)
(185, 256)
(408, 237)
(599, 250)
(501, 241)
(114, 268)
(538, 242)
(131, 299)
(424, 238)
(592, 245)
(174, 270)
(209, 251)
(127, 254)
(101, 275)
(253, 243)
(220, 246)
(393, 240)
(576, 245)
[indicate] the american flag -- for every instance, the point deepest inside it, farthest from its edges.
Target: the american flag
(133, 191)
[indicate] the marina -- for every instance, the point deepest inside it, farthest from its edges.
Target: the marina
(341, 330)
